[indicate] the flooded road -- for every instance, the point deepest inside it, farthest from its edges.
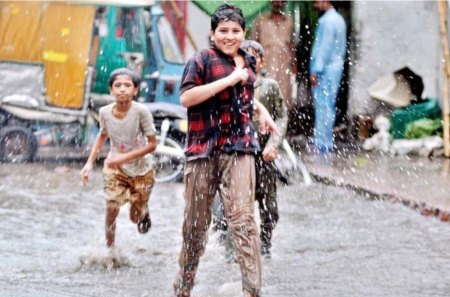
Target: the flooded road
(329, 242)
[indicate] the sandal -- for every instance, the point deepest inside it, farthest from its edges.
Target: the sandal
(145, 224)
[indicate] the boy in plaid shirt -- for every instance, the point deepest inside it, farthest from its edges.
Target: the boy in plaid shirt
(217, 88)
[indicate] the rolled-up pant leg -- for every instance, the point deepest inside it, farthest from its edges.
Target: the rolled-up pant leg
(238, 194)
(200, 186)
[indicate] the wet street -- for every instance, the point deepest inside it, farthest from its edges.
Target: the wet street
(329, 242)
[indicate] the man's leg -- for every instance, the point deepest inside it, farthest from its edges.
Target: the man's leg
(238, 193)
(324, 114)
(325, 94)
(199, 193)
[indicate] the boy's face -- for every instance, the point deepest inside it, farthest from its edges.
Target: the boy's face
(123, 89)
(228, 36)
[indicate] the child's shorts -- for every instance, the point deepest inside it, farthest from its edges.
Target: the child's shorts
(122, 188)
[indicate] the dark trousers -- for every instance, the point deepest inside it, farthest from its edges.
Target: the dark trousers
(266, 195)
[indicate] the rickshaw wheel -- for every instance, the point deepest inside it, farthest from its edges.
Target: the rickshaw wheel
(17, 145)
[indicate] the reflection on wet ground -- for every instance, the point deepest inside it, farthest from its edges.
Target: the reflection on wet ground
(329, 242)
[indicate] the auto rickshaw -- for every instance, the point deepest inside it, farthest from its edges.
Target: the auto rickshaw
(55, 60)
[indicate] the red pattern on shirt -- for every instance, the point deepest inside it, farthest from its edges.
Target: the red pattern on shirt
(223, 122)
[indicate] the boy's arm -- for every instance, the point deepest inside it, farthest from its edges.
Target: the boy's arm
(266, 122)
(98, 145)
(115, 160)
(280, 113)
(199, 94)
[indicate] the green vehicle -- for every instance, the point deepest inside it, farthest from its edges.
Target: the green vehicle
(55, 60)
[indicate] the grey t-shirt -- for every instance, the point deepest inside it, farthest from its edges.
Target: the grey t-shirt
(129, 133)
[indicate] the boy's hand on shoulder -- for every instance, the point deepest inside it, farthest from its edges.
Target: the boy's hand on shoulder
(239, 75)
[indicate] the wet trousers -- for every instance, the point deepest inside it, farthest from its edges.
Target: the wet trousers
(121, 188)
(266, 195)
(234, 177)
(324, 95)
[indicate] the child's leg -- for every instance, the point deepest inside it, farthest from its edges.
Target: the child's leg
(139, 196)
(116, 193)
(200, 186)
(112, 211)
(238, 193)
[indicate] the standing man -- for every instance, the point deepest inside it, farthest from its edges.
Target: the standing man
(274, 31)
(326, 67)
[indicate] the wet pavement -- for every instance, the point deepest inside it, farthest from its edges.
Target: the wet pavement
(418, 182)
(330, 241)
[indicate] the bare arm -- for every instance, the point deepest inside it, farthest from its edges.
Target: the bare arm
(199, 94)
(266, 122)
(98, 145)
(115, 160)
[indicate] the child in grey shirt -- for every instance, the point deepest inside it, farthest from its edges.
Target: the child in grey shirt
(128, 170)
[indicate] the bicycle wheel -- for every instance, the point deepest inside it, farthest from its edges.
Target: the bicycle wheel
(169, 160)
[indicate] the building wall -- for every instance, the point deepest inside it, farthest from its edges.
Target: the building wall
(198, 23)
(388, 36)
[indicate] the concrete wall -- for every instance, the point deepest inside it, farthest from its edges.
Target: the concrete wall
(198, 23)
(388, 36)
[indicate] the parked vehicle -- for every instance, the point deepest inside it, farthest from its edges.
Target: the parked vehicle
(55, 60)
(171, 123)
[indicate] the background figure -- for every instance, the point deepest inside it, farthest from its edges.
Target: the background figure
(274, 31)
(326, 67)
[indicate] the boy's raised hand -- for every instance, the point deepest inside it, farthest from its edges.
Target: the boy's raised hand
(239, 75)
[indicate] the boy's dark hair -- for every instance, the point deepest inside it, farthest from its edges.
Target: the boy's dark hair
(227, 12)
(125, 71)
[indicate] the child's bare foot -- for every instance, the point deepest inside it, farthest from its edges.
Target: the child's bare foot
(248, 294)
(183, 284)
(145, 224)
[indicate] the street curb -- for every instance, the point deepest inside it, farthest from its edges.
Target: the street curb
(426, 210)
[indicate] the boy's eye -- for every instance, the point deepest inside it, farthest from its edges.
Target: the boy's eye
(118, 85)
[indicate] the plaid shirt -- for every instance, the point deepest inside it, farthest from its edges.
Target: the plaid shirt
(224, 121)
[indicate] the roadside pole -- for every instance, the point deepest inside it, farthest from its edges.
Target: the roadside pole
(443, 8)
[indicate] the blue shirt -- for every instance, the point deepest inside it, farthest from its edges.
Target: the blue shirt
(330, 42)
